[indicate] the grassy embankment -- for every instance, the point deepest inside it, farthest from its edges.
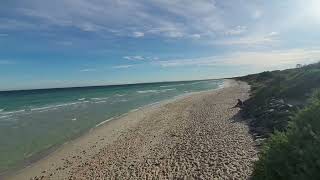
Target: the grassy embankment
(285, 109)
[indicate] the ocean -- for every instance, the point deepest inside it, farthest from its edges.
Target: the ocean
(33, 121)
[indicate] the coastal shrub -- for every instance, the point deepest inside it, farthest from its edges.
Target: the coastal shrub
(264, 76)
(315, 96)
(300, 86)
(292, 86)
(294, 154)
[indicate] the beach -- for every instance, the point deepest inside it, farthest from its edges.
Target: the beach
(198, 136)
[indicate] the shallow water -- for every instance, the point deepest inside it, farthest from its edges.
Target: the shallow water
(35, 120)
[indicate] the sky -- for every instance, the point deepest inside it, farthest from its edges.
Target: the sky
(64, 43)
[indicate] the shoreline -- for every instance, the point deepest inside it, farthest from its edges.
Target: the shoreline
(33, 159)
(123, 122)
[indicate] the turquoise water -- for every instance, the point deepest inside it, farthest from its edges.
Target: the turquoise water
(35, 120)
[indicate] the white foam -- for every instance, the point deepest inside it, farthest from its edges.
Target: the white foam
(198, 82)
(74, 119)
(155, 91)
(41, 108)
(147, 91)
(8, 119)
(13, 112)
(103, 122)
(172, 85)
(98, 99)
(47, 110)
(81, 99)
(165, 90)
(97, 102)
(134, 110)
(5, 116)
(223, 84)
(52, 107)
(119, 95)
(123, 100)
(69, 104)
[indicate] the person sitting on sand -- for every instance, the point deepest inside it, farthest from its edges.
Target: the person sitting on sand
(239, 104)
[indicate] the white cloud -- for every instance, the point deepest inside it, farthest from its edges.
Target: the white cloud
(174, 34)
(134, 58)
(138, 34)
(196, 36)
(273, 34)
(248, 41)
(88, 70)
(236, 31)
(283, 58)
(141, 58)
(153, 58)
(176, 19)
(256, 14)
(172, 19)
(89, 27)
(12, 24)
(122, 66)
(252, 40)
(4, 35)
(168, 29)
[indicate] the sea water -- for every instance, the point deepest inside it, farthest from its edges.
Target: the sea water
(32, 121)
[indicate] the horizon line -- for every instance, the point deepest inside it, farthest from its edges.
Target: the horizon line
(106, 85)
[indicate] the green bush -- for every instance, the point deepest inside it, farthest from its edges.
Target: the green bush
(294, 154)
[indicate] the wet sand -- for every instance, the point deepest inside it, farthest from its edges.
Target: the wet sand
(198, 136)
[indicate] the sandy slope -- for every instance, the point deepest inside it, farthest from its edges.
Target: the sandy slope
(195, 137)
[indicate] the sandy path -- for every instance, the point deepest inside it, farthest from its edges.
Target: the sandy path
(196, 137)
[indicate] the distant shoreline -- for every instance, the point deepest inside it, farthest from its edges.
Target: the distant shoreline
(102, 86)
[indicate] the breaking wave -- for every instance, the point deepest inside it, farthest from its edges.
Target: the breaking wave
(175, 85)
(155, 91)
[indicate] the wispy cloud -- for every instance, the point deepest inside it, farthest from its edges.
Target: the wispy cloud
(172, 19)
(140, 58)
(195, 36)
(252, 40)
(89, 27)
(13, 24)
(122, 66)
(3, 35)
(134, 57)
(236, 31)
(256, 14)
(275, 59)
(138, 34)
(88, 70)
(175, 19)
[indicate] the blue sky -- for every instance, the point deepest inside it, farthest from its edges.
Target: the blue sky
(63, 43)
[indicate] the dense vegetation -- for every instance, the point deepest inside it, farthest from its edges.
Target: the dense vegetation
(283, 108)
(295, 153)
(278, 95)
